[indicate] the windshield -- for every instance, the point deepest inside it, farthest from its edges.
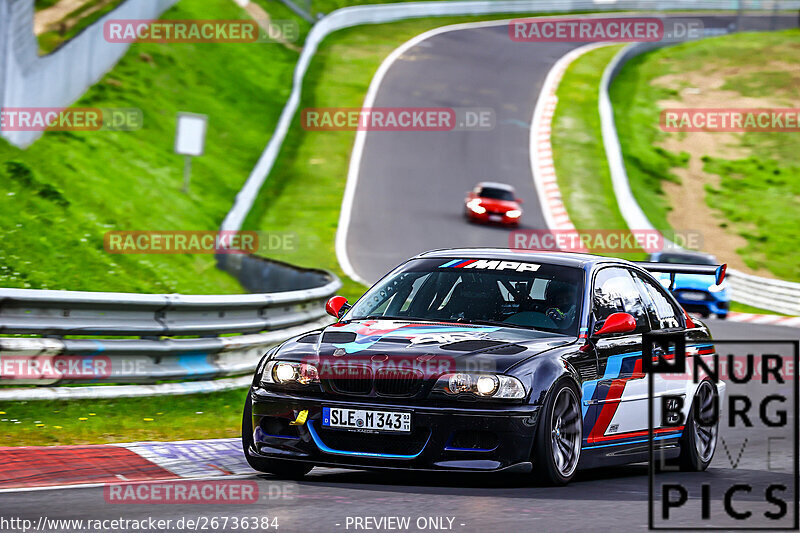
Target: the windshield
(496, 194)
(507, 293)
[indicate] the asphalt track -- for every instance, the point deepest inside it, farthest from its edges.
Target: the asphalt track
(411, 185)
(409, 199)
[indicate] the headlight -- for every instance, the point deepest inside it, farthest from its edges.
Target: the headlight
(514, 213)
(483, 385)
(288, 372)
(476, 207)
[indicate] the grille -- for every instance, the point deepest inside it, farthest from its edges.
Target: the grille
(472, 440)
(397, 382)
(587, 370)
(407, 444)
(352, 380)
(697, 296)
(338, 337)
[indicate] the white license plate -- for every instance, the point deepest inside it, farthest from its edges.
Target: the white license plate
(495, 218)
(694, 296)
(392, 421)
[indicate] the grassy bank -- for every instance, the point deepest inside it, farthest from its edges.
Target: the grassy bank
(580, 158)
(578, 153)
(750, 182)
(61, 195)
(311, 174)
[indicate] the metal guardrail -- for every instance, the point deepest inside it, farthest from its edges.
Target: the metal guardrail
(230, 334)
(766, 293)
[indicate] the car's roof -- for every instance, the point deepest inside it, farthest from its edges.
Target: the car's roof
(495, 185)
(552, 258)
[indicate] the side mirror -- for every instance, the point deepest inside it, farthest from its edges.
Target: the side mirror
(519, 201)
(618, 323)
(337, 306)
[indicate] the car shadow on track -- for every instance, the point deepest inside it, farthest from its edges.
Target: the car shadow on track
(629, 482)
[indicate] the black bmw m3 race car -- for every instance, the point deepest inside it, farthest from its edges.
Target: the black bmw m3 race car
(484, 360)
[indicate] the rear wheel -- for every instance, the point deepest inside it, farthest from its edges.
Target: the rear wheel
(284, 469)
(559, 434)
(699, 439)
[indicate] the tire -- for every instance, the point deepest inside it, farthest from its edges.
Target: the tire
(699, 441)
(559, 434)
(276, 467)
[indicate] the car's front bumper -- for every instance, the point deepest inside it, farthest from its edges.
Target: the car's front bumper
(492, 218)
(442, 438)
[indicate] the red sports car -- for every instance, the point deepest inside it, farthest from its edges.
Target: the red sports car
(492, 202)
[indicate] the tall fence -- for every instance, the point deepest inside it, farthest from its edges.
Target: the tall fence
(774, 295)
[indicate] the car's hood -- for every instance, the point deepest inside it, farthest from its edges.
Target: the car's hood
(492, 203)
(457, 346)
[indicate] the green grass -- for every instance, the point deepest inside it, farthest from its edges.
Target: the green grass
(634, 101)
(63, 193)
(199, 416)
(579, 157)
(50, 40)
(738, 307)
(758, 195)
(43, 4)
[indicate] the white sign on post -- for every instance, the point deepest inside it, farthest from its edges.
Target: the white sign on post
(190, 140)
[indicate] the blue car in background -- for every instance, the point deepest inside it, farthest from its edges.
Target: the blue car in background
(693, 291)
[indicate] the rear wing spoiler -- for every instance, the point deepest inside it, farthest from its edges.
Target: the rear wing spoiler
(717, 271)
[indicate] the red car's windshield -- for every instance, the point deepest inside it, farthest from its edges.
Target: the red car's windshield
(496, 194)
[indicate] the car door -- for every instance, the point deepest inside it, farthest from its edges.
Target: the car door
(616, 403)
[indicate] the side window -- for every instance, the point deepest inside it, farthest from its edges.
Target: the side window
(663, 314)
(614, 292)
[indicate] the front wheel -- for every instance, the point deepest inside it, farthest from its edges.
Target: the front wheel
(559, 434)
(699, 439)
(283, 469)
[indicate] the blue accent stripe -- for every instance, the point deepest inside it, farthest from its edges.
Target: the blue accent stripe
(670, 436)
(451, 263)
(327, 449)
